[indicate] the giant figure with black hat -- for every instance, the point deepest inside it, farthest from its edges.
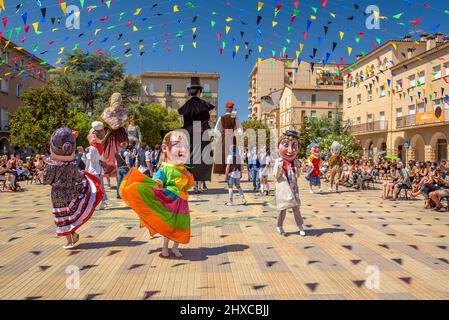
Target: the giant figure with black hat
(225, 131)
(196, 114)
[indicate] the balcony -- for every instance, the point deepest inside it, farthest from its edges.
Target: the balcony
(424, 118)
(4, 126)
(369, 127)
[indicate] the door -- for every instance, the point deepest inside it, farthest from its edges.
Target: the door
(382, 121)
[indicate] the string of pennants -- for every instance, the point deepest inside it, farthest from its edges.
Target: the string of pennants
(227, 31)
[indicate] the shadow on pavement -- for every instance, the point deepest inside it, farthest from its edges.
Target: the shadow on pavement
(119, 242)
(316, 232)
(202, 254)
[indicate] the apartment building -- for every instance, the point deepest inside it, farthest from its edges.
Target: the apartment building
(396, 98)
(267, 76)
(19, 70)
(295, 92)
(317, 92)
(170, 89)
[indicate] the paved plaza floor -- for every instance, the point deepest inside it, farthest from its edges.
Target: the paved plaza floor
(357, 247)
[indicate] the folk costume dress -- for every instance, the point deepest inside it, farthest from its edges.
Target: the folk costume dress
(74, 194)
(314, 175)
(162, 202)
(114, 118)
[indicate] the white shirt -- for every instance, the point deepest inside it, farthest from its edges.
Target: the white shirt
(127, 154)
(234, 174)
(92, 160)
(148, 155)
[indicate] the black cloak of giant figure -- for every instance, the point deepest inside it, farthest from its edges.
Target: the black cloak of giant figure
(197, 109)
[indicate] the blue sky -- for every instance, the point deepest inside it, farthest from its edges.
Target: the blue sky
(159, 30)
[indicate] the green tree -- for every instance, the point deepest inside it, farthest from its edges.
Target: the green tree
(91, 79)
(325, 131)
(82, 124)
(349, 146)
(256, 125)
(45, 110)
(152, 119)
(306, 137)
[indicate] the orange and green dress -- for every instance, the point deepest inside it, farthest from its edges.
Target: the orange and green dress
(162, 202)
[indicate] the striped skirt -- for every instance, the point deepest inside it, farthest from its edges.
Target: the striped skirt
(79, 211)
(160, 211)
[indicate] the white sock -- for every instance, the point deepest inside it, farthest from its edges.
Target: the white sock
(262, 188)
(230, 191)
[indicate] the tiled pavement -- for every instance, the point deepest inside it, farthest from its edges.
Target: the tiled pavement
(234, 252)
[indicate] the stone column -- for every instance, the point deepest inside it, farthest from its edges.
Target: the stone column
(429, 153)
(411, 154)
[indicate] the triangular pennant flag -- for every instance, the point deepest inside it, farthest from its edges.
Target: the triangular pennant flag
(63, 7)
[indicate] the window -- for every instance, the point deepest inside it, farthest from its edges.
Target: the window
(150, 88)
(313, 99)
(421, 108)
(330, 101)
(437, 103)
(436, 72)
(359, 120)
(399, 85)
(349, 102)
(329, 114)
(5, 85)
(359, 99)
(370, 94)
(411, 110)
(370, 118)
(19, 90)
(313, 114)
(399, 113)
(412, 81)
(421, 77)
(303, 115)
(382, 120)
(168, 90)
(303, 101)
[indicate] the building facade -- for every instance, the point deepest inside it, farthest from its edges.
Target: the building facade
(170, 89)
(396, 99)
(308, 90)
(19, 70)
(267, 76)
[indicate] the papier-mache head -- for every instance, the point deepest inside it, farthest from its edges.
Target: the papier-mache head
(63, 142)
(336, 148)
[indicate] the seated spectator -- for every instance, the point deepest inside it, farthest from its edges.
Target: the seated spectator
(435, 196)
(403, 181)
(388, 186)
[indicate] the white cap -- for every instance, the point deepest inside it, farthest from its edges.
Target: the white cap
(97, 125)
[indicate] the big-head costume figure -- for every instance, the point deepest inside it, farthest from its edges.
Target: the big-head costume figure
(225, 131)
(314, 163)
(196, 115)
(335, 164)
(115, 119)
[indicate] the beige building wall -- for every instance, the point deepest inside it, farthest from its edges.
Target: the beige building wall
(301, 102)
(379, 118)
(170, 89)
(266, 77)
(13, 86)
